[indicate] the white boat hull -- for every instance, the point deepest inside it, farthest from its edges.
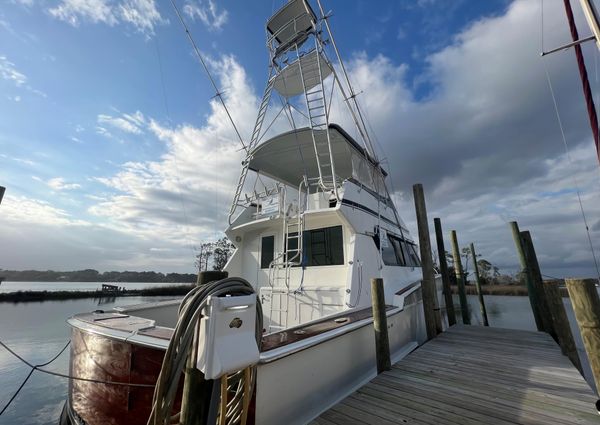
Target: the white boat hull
(296, 388)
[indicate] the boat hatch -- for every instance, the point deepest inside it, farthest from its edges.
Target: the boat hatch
(288, 81)
(289, 156)
(292, 23)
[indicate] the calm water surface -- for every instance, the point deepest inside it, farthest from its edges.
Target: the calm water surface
(37, 331)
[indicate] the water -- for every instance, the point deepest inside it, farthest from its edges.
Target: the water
(37, 331)
(75, 286)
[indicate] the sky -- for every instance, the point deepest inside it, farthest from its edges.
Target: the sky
(117, 156)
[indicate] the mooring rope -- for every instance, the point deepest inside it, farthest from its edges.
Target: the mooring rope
(38, 367)
(33, 368)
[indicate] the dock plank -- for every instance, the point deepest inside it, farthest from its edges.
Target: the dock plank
(471, 375)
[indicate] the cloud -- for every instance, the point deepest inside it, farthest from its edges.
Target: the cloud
(95, 11)
(143, 15)
(128, 123)
(484, 141)
(58, 183)
(183, 196)
(20, 160)
(207, 12)
(9, 72)
(22, 209)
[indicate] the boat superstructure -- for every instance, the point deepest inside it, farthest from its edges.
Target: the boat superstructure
(324, 223)
(312, 222)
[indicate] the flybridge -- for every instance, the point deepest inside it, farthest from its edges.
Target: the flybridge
(289, 156)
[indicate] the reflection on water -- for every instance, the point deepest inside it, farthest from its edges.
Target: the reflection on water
(38, 331)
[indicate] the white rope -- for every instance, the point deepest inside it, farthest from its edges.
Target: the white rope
(575, 180)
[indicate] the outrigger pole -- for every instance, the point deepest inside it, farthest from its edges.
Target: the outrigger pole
(591, 16)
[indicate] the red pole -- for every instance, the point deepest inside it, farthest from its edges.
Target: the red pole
(585, 82)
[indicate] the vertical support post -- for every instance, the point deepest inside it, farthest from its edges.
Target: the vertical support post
(514, 227)
(382, 343)
(433, 320)
(536, 278)
(439, 236)
(586, 305)
(478, 285)
(2, 190)
(460, 279)
(195, 400)
(223, 405)
(561, 323)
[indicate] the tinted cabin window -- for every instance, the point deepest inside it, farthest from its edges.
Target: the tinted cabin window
(322, 247)
(416, 261)
(398, 252)
(267, 251)
(388, 253)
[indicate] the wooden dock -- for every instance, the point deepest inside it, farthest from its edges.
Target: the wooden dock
(474, 375)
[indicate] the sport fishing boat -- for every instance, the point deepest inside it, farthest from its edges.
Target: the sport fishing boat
(312, 222)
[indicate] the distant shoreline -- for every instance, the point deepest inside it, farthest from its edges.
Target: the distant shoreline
(32, 296)
(516, 290)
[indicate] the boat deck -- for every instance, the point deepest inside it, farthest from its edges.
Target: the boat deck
(474, 375)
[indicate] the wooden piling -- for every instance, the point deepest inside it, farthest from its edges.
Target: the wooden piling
(382, 344)
(478, 286)
(561, 323)
(531, 292)
(439, 236)
(586, 305)
(460, 279)
(433, 320)
(536, 278)
(195, 399)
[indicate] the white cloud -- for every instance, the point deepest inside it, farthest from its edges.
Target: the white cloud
(485, 142)
(128, 123)
(9, 72)
(21, 209)
(72, 11)
(183, 195)
(207, 12)
(143, 15)
(59, 183)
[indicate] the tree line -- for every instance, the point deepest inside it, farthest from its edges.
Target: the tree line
(488, 273)
(91, 275)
